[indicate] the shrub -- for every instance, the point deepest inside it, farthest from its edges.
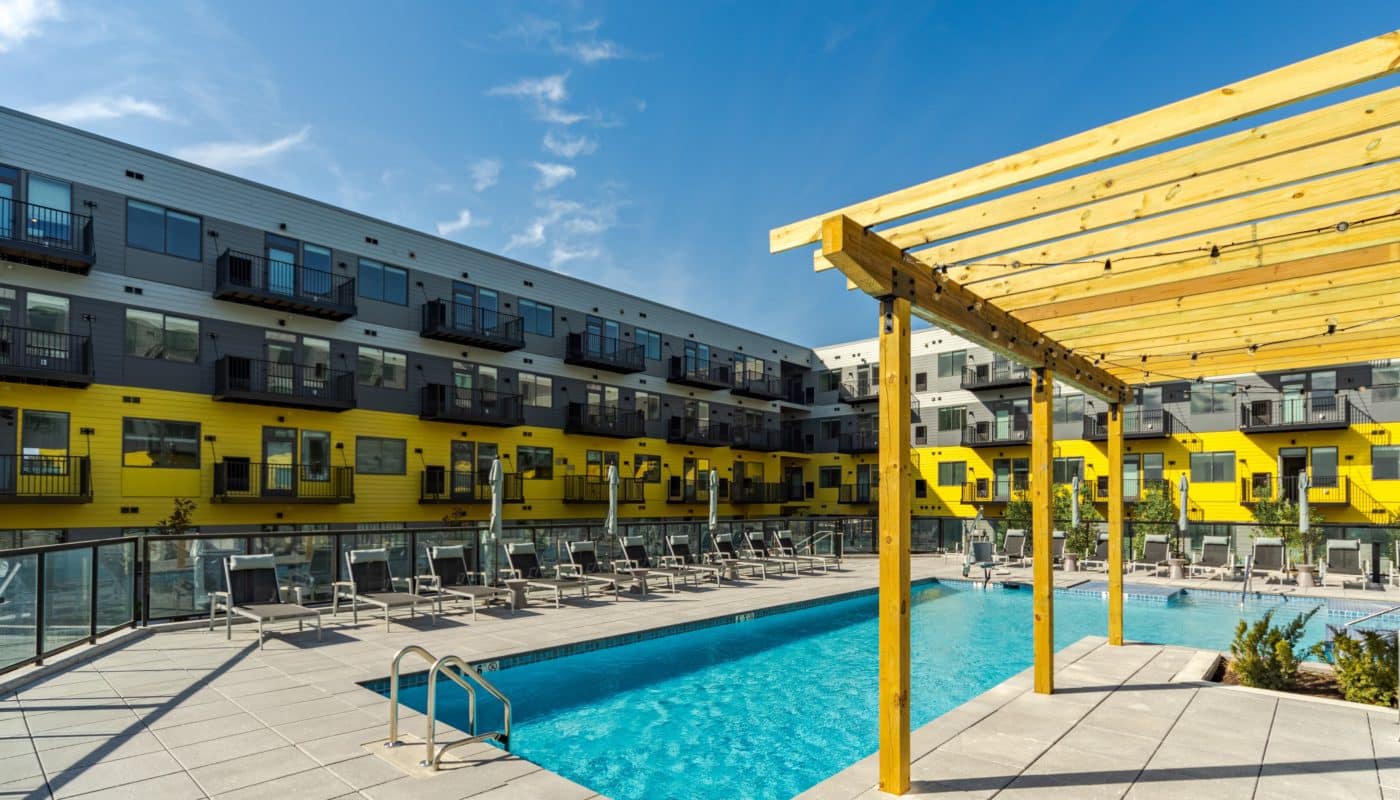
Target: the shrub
(181, 517)
(1265, 656)
(1365, 667)
(1155, 513)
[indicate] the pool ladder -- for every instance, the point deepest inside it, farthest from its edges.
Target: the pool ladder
(1248, 571)
(458, 671)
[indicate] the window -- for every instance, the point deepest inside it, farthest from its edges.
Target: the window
(920, 434)
(920, 487)
(376, 456)
(829, 478)
(160, 443)
(382, 282)
(383, 368)
(537, 318)
(647, 467)
(1065, 469)
(648, 405)
(1385, 463)
(150, 334)
(952, 473)
(1324, 467)
(921, 381)
(536, 391)
(952, 418)
(1385, 382)
(535, 463)
(829, 381)
(1213, 467)
(951, 364)
(1067, 409)
(1212, 398)
(1152, 466)
(160, 230)
(316, 455)
(831, 428)
(44, 443)
(650, 342)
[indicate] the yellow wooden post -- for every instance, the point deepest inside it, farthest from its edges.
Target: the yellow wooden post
(1042, 527)
(1115, 524)
(894, 545)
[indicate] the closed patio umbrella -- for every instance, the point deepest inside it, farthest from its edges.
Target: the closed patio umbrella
(714, 503)
(610, 525)
(1074, 502)
(494, 525)
(1303, 522)
(1183, 488)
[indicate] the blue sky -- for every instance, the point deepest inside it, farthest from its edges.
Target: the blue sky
(649, 147)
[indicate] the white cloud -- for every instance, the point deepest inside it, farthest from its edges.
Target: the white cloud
(563, 254)
(485, 173)
(22, 19)
(551, 175)
(566, 147)
(231, 155)
(550, 88)
(96, 109)
(590, 52)
(558, 116)
(461, 223)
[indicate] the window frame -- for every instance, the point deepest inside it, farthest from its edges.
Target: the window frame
(384, 270)
(1217, 457)
(164, 437)
(956, 474)
(165, 336)
(166, 211)
(824, 473)
(531, 312)
(652, 473)
(379, 442)
(956, 363)
(383, 360)
(1394, 469)
(646, 337)
(535, 453)
(542, 386)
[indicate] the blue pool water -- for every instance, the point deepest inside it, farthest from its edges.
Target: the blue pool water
(768, 707)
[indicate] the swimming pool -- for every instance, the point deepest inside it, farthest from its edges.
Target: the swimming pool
(768, 707)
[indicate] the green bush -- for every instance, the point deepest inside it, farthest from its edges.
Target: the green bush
(1365, 667)
(1265, 656)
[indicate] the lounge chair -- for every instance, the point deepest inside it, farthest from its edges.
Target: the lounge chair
(635, 557)
(1270, 559)
(1099, 560)
(682, 558)
(783, 546)
(448, 574)
(758, 551)
(525, 565)
(1215, 558)
(583, 557)
(1156, 550)
(1057, 548)
(372, 583)
(727, 556)
(1344, 563)
(254, 592)
(1013, 547)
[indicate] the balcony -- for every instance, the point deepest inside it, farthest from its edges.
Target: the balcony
(604, 352)
(249, 380)
(439, 485)
(998, 375)
(45, 237)
(745, 492)
(858, 493)
(986, 434)
(442, 403)
(760, 386)
(589, 489)
(684, 430)
(41, 357)
(858, 442)
(1326, 490)
(45, 479)
(240, 481)
(605, 421)
(1314, 412)
(858, 393)
(714, 376)
(680, 490)
(761, 439)
(1137, 424)
(1131, 494)
(1000, 490)
(460, 323)
(257, 281)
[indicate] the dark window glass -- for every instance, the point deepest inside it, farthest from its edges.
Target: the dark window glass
(375, 456)
(920, 487)
(160, 443)
(371, 280)
(145, 226)
(1385, 463)
(647, 467)
(535, 463)
(952, 473)
(182, 235)
(829, 477)
(537, 318)
(395, 285)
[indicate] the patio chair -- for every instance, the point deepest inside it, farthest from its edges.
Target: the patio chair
(372, 583)
(1156, 550)
(783, 546)
(525, 565)
(583, 558)
(682, 558)
(252, 591)
(450, 575)
(727, 556)
(1344, 563)
(1270, 559)
(635, 557)
(1013, 547)
(1215, 558)
(1099, 560)
(758, 551)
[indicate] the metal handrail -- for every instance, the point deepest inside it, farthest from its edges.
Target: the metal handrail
(438, 664)
(1248, 571)
(838, 539)
(1346, 626)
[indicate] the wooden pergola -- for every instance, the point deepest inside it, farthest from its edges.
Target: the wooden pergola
(1276, 247)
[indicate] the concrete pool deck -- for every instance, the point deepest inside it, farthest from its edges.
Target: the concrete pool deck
(185, 713)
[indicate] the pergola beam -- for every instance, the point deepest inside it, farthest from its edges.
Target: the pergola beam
(882, 270)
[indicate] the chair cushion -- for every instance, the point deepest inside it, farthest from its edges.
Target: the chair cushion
(448, 551)
(263, 561)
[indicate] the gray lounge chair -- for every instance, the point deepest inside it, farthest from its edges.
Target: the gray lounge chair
(682, 558)
(727, 556)
(757, 542)
(584, 561)
(254, 592)
(1215, 558)
(1156, 550)
(525, 565)
(1013, 547)
(450, 575)
(1099, 561)
(1344, 563)
(373, 584)
(1270, 559)
(1057, 548)
(635, 557)
(783, 546)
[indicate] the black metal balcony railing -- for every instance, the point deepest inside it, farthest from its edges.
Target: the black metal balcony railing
(46, 237)
(1137, 424)
(604, 352)
(858, 442)
(441, 485)
(271, 283)
(1324, 490)
(746, 492)
(1311, 412)
(443, 403)
(593, 420)
(707, 376)
(987, 434)
(996, 490)
(793, 440)
(759, 385)
(239, 481)
(857, 393)
(858, 493)
(695, 431)
(251, 380)
(45, 479)
(1131, 493)
(762, 439)
(590, 489)
(53, 359)
(680, 490)
(467, 324)
(995, 376)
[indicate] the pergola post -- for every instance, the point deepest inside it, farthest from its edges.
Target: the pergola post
(1042, 527)
(1115, 523)
(894, 544)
